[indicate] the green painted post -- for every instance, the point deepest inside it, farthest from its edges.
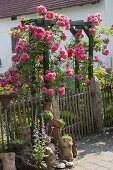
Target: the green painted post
(76, 72)
(90, 67)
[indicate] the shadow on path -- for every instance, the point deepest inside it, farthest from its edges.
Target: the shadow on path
(96, 144)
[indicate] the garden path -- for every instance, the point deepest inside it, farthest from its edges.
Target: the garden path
(96, 152)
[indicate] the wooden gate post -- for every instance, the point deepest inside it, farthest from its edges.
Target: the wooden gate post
(55, 102)
(97, 104)
(8, 160)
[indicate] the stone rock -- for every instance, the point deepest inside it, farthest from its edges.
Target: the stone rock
(51, 157)
(59, 165)
(64, 161)
(44, 166)
(69, 164)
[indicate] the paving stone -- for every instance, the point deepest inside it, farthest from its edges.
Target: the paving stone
(105, 164)
(102, 168)
(95, 153)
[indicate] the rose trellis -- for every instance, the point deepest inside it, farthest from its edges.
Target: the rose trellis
(43, 62)
(74, 26)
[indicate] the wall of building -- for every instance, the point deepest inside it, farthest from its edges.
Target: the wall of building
(75, 13)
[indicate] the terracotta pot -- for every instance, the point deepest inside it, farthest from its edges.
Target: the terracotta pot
(54, 130)
(48, 106)
(16, 147)
(25, 134)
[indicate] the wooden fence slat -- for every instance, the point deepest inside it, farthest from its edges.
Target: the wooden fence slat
(1, 130)
(28, 111)
(78, 117)
(88, 110)
(24, 112)
(79, 110)
(73, 117)
(14, 116)
(83, 114)
(7, 129)
(19, 113)
(91, 111)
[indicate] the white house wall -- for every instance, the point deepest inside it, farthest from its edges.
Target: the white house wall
(74, 13)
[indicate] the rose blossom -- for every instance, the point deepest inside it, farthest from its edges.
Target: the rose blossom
(96, 59)
(41, 9)
(69, 72)
(63, 21)
(15, 58)
(51, 92)
(49, 39)
(70, 52)
(21, 27)
(79, 76)
(44, 89)
(63, 53)
(40, 58)
(50, 15)
(91, 31)
(112, 26)
(50, 76)
(54, 47)
(61, 90)
(39, 33)
(95, 19)
(79, 34)
(106, 52)
(24, 57)
(41, 77)
(64, 36)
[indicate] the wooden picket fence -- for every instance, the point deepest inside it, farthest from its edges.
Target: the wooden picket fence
(107, 96)
(75, 110)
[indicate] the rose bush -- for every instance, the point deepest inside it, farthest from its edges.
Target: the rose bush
(41, 47)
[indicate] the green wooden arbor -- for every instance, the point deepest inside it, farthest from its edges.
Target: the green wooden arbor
(80, 24)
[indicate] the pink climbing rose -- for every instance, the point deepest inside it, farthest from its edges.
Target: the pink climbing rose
(61, 90)
(44, 89)
(24, 57)
(41, 9)
(51, 92)
(106, 52)
(50, 76)
(15, 58)
(50, 15)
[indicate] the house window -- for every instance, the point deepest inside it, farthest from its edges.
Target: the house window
(14, 40)
(13, 18)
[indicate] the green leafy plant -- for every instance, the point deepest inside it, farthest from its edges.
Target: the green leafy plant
(18, 141)
(62, 123)
(48, 115)
(66, 137)
(39, 151)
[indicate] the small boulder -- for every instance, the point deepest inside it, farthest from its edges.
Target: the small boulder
(69, 164)
(59, 165)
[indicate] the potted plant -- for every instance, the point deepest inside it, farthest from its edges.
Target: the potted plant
(39, 153)
(54, 128)
(24, 132)
(17, 144)
(65, 147)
